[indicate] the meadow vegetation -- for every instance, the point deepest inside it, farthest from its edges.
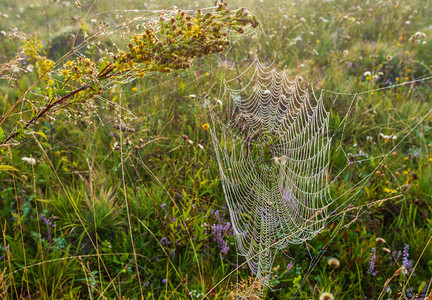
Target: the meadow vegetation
(113, 191)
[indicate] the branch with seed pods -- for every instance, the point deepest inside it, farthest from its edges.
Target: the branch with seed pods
(169, 44)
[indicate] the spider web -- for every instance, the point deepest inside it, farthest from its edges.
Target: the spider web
(274, 149)
(273, 156)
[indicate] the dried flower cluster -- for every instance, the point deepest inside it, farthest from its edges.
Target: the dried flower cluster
(250, 289)
(173, 42)
(170, 44)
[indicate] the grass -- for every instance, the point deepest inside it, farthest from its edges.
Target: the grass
(105, 209)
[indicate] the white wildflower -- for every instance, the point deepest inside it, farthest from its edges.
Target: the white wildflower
(30, 68)
(388, 137)
(29, 160)
(333, 262)
(326, 296)
(419, 35)
(416, 37)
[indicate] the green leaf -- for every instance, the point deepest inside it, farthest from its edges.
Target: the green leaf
(18, 217)
(39, 133)
(421, 287)
(102, 65)
(60, 92)
(1, 134)
(7, 168)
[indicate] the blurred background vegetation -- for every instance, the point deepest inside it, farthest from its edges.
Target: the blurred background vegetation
(137, 160)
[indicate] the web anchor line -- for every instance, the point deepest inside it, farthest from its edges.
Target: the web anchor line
(379, 89)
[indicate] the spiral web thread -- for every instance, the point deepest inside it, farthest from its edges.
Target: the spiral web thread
(273, 156)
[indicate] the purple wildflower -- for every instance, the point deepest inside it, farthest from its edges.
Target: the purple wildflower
(164, 281)
(396, 255)
(290, 265)
(165, 241)
(406, 263)
(388, 289)
(219, 231)
(164, 209)
(372, 263)
(225, 248)
(48, 222)
(217, 216)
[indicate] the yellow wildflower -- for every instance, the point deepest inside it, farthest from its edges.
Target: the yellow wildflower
(206, 126)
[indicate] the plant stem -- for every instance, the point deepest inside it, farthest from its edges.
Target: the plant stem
(46, 110)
